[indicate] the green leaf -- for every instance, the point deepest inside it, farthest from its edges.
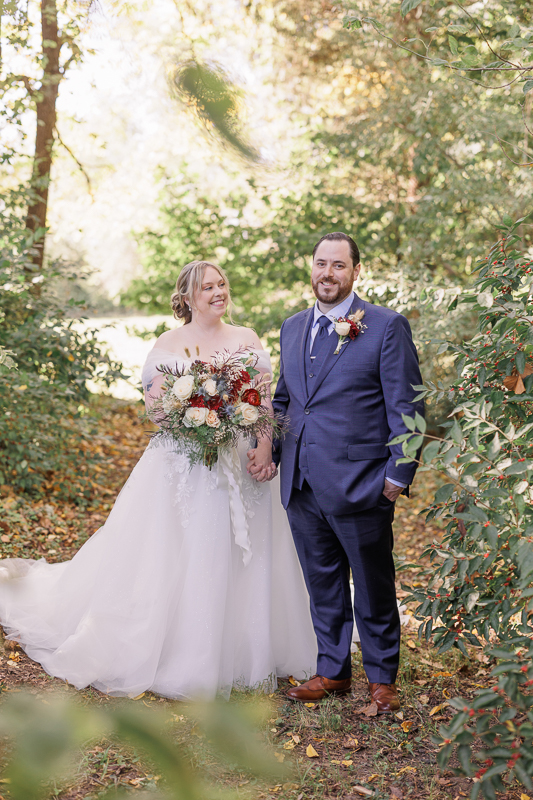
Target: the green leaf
(520, 361)
(420, 422)
(444, 492)
(507, 220)
(352, 23)
(456, 433)
(430, 452)
(454, 45)
(409, 5)
(409, 422)
(517, 468)
(458, 28)
(527, 87)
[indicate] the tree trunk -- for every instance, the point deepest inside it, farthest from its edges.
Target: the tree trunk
(46, 122)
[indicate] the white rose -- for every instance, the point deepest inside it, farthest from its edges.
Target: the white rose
(212, 419)
(210, 387)
(248, 413)
(342, 328)
(194, 417)
(183, 387)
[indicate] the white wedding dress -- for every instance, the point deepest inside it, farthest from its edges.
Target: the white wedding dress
(192, 586)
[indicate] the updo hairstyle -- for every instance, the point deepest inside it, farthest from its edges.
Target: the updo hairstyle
(188, 284)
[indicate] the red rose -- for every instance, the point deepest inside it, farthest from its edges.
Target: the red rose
(197, 401)
(252, 397)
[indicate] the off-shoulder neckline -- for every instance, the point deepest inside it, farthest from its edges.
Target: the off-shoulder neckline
(182, 358)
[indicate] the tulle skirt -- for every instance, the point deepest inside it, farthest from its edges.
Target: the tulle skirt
(160, 598)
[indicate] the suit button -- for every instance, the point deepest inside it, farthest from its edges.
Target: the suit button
(307, 411)
(311, 374)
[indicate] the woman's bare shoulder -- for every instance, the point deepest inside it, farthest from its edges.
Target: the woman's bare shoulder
(248, 337)
(169, 339)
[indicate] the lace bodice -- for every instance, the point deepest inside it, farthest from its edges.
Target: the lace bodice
(159, 356)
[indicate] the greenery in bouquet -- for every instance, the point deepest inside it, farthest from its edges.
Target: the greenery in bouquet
(205, 407)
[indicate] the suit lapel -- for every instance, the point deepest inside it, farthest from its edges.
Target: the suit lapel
(306, 324)
(329, 358)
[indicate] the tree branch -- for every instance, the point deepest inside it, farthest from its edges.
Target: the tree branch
(79, 164)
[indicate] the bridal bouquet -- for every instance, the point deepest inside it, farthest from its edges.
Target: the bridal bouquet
(205, 407)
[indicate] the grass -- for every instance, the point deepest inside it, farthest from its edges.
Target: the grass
(353, 755)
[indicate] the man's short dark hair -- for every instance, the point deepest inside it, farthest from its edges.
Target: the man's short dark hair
(339, 236)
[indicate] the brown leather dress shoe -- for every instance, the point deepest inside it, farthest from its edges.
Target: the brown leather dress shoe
(317, 688)
(385, 696)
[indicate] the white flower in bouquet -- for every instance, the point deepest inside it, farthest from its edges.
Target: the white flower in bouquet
(249, 414)
(342, 328)
(194, 417)
(183, 387)
(210, 387)
(212, 419)
(170, 402)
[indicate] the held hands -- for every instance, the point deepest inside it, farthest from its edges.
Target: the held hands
(391, 491)
(260, 464)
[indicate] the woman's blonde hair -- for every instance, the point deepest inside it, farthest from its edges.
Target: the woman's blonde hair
(189, 282)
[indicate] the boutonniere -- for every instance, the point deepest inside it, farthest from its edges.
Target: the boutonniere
(348, 327)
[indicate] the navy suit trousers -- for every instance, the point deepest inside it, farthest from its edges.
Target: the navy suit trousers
(328, 547)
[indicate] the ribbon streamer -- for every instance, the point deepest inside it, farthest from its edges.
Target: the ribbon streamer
(230, 467)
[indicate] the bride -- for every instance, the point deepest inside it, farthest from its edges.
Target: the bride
(192, 586)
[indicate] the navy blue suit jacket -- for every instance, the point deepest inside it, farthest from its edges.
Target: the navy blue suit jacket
(354, 408)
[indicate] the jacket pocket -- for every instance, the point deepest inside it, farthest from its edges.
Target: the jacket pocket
(367, 452)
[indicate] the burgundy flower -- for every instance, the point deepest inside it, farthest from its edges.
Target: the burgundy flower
(252, 397)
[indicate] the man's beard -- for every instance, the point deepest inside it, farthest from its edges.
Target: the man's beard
(337, 297)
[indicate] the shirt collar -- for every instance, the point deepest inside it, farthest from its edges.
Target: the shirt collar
(339, 311)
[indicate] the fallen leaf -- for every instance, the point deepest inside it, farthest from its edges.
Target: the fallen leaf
(524, 797)
(412, 645)
(290, 787)
(436, 709)
(347, 763)
(296, 739)
(421, 682)
(310, 705)
(311, 752)
(335, 761)
(289, 745)
(280, 757)
(138, 696)
(442, 675)
(395, 792)
(399, 715)
(371, 710)
(424, 699)
(293, 682)
(407, 725)
(350, 742)
(406, 769)
(372, 777)
(5, 537)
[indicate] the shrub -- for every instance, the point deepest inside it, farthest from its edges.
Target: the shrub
(480, 591)
(44, 419)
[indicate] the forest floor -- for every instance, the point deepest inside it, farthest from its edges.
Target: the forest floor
(336, 748)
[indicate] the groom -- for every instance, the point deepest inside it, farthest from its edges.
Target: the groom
(339, 478)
